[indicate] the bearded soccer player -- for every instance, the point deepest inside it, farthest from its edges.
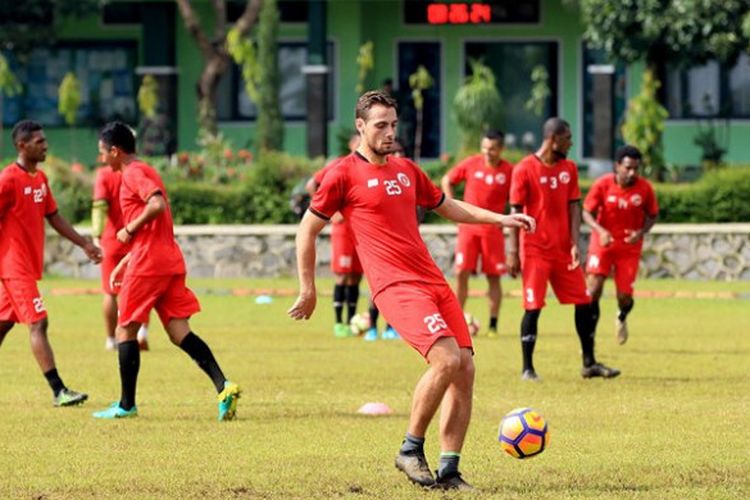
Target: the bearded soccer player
(106, 220)
(25, 201)
(154, 278)
(487, 183)
(620, 208)
(345, 264)
(545, 186)
(378, 195)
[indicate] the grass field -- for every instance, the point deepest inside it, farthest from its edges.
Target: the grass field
(672, 426)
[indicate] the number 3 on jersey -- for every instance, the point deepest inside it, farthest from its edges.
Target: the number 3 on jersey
(435, 323)
(392, 187)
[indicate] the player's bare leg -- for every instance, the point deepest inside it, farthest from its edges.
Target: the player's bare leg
(625, 304)
(462, 287)
(109, 311)
(5, 327)
(495, 295)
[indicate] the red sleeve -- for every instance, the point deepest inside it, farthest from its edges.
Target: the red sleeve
(429, 195)
(574, 190)
(50, 205)
(593, 200)
(100, 186)
(7, 193)
(652, 204)
(458, 173)
(329, 198)
(518, 186)
(140, 183)
(320, 174)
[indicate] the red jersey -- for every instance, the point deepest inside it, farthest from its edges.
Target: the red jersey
(486, 187)
(379, 202)
(621, 210)
(155, 251)
(545, 192)
(25, 200)
(107, 188)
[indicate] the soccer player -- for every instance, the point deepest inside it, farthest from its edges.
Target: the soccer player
(545, 186)
(620, 209)
(106, 220)
(25, 201)
(155, 276)
(378, 195)
(487, 177)
(345, 265)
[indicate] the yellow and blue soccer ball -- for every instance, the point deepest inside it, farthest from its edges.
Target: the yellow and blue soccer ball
(523, 433)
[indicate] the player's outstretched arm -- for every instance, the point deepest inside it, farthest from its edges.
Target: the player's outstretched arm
(309, 228)
(63, 227)
(513, 261)
(460, 211)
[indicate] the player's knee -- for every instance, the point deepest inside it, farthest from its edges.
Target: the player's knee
(467, 370)
(448, 365)
(40, 327)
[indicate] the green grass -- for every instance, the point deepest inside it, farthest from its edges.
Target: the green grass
(673, 425)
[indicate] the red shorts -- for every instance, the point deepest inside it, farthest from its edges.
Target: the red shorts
(167, 294)
(344, 259)
(110, 259)
(485, 241)
(20, 301)
(423, 313)
(569, 285)
(624, 261)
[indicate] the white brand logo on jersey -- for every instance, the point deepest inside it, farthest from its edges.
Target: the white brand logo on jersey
(372, 183)
(500, 178)
(543, 180)
(611, 199)
(27, 190)
(636, 200)
(478, 175)
(564, 177)
(403, 179)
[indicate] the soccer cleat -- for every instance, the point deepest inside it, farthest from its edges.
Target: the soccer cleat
(599, 370)
(371, 335)
(68, 397)
(341, 331)
(530, 375)
(414, 465)
(451, 481)
(492, 334)
(621, 329)
(115, 411)
(228, 401)
(390, 334)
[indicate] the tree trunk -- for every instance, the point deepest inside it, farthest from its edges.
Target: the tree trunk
(208, 85)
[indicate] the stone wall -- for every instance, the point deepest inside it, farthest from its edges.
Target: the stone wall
(691, 251)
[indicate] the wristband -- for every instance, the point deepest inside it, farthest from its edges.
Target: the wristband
(128, 231)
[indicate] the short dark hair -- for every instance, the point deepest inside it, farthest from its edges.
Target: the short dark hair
(627, 151)
(23, 130)
(494, 135)
(119, 135)
(555, 126)
(372, 98)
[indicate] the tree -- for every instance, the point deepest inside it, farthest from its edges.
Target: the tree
(365, 63)
(68, 102)
(679, 31)
(477, 105)
(540, 91)
(419, 81)
(9, 86)
(215, 54)
(270, 136)
(644, 126)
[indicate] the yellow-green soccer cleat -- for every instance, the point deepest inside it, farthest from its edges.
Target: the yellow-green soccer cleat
(68, 397)
(228, 401)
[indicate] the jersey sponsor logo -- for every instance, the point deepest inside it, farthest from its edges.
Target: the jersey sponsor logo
(636, 200)
(372, 183)
(435, 323)
(500, 178)
(478, 175)
(27, 190)
(564, 177)
(489, 179)
(611, 199)
(543, 180)
(392, 188)
(403, 179)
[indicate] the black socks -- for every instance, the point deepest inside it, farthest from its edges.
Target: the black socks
(624, 311)
(585, 328)
(528, 337)
(54, 381)
(374, 313)
(352, 297)
(339, 295)
(201, 354)
(493, 323)
(129, 355)
(595, 313)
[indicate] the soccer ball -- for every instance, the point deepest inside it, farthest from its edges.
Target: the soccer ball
(523, 433)
(472, 323)
(360, 323)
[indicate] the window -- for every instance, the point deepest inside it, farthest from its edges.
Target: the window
(105, 72)
(512, 64)
(710, 90)
(234, 103)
